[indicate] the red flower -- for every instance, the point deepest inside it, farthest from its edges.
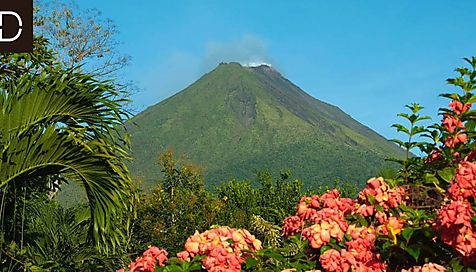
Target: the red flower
(458, 107)
(454, 225)
(451, 141)
(434, 156)
(292, 225)
(464, 184)
(451, 123)
(183, 255)
(147, 262)
(428, 267)
(224, 247)
(332, 260)
(321, 233)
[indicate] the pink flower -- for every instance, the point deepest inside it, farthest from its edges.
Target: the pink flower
(305, 210)
(192, 247)
(332, 260)
(356, 232)
(365, 210)
(458, 107)
(148, 261)
(451, 123)
(220, 259)
(381, 217)
(183, 255)
(156, 253)
(451, 141)
(332, 194)
(378, 190)
(320, 234)
(464, 183)
(292, 225)
(225, 248)
(428, 267)
(375, 183)
(395, 224)
(434, 156)
(453, 222)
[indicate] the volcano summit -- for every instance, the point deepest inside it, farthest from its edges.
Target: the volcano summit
(236, 120)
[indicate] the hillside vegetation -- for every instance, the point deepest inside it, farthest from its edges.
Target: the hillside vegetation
(237, 120)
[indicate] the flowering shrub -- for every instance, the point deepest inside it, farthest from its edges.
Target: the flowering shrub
(324, 222)
(429, 267)
(148, 261)
(421, 220)
(225, 248)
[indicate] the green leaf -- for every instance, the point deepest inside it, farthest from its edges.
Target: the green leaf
(453, 96)
(362, 220)
(250, 263)
(455, 265)
(472, 99)
(379, 208)
(66, 124)
(401, 128)
(371, 199)
(430, 178)
(174, 268)
(399, 142)
(447, 174)
(407, 233)
(325, 248)
(413, 250)
(274, 255)
(387, 245)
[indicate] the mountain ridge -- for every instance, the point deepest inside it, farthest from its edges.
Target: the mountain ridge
(235, 120)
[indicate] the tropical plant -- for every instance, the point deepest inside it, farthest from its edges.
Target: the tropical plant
(59, 126)
(56, 240)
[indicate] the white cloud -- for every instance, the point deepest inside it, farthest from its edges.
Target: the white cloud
(178, 69)
(247, 50)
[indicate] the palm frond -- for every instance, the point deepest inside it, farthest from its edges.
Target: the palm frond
(68, 124)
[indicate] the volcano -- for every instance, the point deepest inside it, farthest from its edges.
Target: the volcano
(237, 120)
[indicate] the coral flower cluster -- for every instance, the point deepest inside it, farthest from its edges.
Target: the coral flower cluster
(319, 218)
(458, 107)
(453, 124)
(358, 256)
(453, 220)
(464, 184)
(378, 193)
(428, 267)
(224, 248)
(148, 261)
(322, 219)
(376, 201)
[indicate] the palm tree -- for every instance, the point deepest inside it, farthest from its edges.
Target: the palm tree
(62, 125)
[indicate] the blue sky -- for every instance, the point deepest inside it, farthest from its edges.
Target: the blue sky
(370, 58)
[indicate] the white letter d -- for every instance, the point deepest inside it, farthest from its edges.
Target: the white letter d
(20, 23)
